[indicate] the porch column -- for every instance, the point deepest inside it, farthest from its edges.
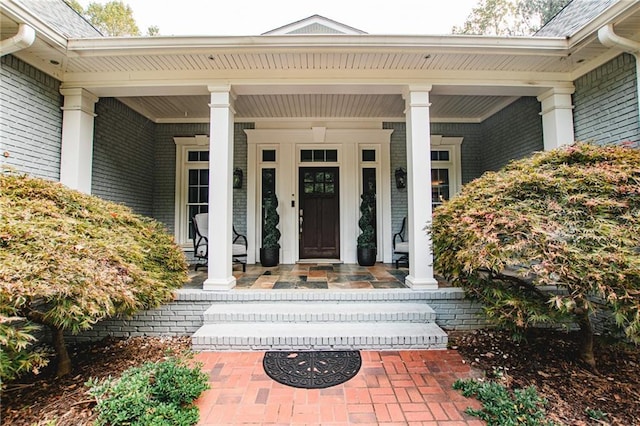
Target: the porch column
(419, 188)
(557, 117)
(76, 156)
(220, 276)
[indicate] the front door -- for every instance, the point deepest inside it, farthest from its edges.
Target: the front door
(319, 213)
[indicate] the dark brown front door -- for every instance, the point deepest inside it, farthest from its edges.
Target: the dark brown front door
(319, 213)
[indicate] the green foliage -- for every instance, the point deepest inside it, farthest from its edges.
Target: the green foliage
(595, 414)
(500, 407)
(17, 356)
(509, 17)
(153, 394)
(367, 237)
(68, 260)
(568, 218)
(113, 18)
(271, 219)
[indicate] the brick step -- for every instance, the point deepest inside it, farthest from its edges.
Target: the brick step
(319, 336)
(303, 312)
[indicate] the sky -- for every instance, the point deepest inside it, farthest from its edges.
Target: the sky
(253, 17)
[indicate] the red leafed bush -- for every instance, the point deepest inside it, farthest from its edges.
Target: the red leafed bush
(68, 260)
(551, 238)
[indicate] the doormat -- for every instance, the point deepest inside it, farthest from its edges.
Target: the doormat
(312, 370)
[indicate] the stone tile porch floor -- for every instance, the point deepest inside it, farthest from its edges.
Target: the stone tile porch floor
(331, 276)
(391, 388)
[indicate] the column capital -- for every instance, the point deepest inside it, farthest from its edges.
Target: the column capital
(564, 90)
(79, 99)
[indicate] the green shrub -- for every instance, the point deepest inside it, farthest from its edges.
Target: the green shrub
(500, 407)
(154, 394)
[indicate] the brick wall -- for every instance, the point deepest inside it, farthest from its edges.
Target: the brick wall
(184, 315)
(512, 133)
(606, 103)
(123, 156)
(471, 150)
(31, 125)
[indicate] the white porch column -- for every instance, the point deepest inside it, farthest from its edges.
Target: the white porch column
(76, 157)
(220, 276)
(419, 188)
(557, 117)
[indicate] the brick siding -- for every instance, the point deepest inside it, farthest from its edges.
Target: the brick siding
(512, 133)
(31, 125)
(606, 103)
(123, 156)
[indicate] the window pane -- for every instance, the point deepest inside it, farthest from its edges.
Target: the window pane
(204, 194)
(318, 155)
(369, 180)
(193, 194)
(192, 156)
(193, 177)
(306, 155)
(204, 155)
(204, 177)
(368, 155)
(269, 155)
(331, 155)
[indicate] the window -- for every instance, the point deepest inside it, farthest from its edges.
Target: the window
(319, 155)
(197, 194)
(440, 186)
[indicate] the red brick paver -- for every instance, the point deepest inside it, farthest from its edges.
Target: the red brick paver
(391, 388)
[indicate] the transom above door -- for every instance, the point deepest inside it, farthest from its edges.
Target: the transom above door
(319, 212)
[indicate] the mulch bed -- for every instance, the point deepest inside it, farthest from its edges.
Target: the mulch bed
(547, 360)
(37, 400)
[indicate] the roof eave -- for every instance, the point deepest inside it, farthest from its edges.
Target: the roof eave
(19, 14)
(111, 46)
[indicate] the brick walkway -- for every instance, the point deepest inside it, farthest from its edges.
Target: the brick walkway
(391, 388)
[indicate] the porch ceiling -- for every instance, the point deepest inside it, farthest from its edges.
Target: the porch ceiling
(195, 108)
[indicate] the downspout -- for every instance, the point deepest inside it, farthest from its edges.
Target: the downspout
(609, 38)
(23, 39)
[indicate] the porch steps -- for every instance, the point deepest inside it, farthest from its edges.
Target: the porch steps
(319, 320)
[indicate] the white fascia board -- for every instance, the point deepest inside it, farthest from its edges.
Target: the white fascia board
(194, 83)
(19, 14)
(121, 46)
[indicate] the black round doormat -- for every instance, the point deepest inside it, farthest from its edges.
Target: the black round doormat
(312, 370)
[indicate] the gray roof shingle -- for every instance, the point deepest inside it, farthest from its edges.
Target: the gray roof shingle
(62, 17)
(573, 17)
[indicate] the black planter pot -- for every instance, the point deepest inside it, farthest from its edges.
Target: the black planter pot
(366, 256)
(269, 256)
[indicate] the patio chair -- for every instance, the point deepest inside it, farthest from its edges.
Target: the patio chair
(200, 224)
(401, 244)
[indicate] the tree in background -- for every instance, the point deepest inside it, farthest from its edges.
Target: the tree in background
(114, 18)
(509, 17)
(69, 260)
(552, 239)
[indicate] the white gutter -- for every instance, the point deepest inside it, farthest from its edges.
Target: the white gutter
(609, 38)
(23, 39)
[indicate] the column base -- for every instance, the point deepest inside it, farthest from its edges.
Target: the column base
(421, 284)
(213, 284)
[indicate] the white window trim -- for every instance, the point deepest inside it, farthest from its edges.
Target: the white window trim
(184, 145)
(453, 145)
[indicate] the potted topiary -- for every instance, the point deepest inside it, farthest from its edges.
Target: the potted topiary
(367, 238)
(270, 251)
